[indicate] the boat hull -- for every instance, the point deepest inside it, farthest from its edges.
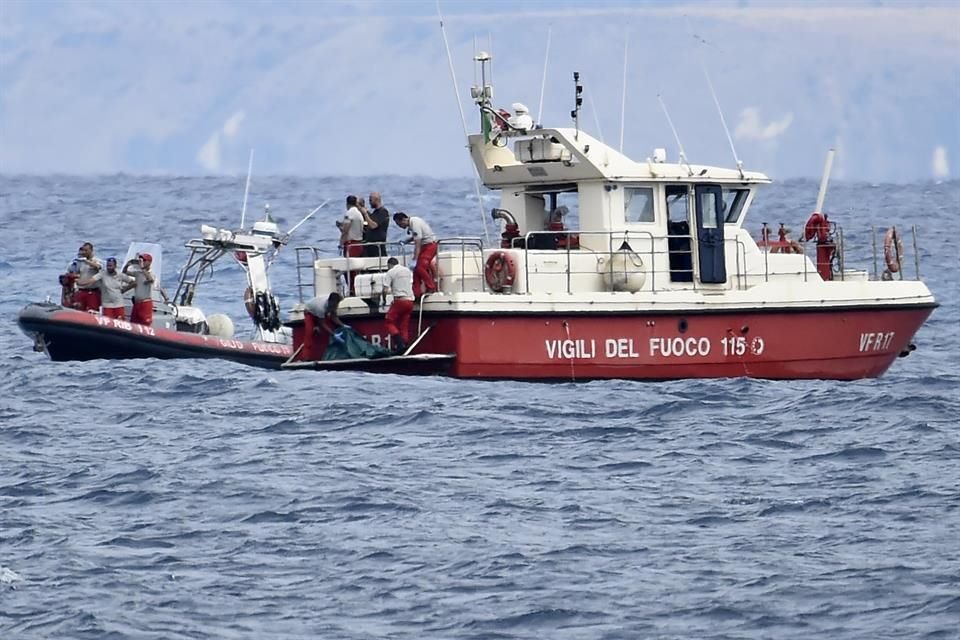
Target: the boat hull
(69, 335)
(789, 343)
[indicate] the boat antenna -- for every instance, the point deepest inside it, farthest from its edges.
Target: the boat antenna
(578, 102)
(246, 191)
(676, 136)
(476, 49)
(716, 101)
(623, 95)
(543, 83)
(463, 120)
(307, 217)
(827, 168)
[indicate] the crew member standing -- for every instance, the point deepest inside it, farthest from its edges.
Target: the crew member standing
(424, 251)
(87, 297)
(112, 284)
(398, 280)
(351, 236)
(375, 231)
(142, 312)
(351, 229)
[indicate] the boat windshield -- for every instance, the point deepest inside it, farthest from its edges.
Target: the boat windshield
(733, 201)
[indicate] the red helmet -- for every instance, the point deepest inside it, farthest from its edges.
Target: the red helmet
(146, 257)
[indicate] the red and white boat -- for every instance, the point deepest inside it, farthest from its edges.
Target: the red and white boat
(179, 329)
(659, 279)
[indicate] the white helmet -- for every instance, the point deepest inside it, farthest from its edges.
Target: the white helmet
(519, 107)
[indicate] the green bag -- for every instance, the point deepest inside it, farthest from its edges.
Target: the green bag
(347, 344)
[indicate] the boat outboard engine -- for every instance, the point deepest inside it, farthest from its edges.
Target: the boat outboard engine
(822, 229)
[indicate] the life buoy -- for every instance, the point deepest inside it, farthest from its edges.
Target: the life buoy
(500, 271)
(893, 250)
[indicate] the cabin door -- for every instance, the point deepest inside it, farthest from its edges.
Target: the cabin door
(713, 268)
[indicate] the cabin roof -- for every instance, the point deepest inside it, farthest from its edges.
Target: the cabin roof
(568, 155)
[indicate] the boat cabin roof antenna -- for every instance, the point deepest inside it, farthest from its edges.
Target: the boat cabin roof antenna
(676, 136)
(463, 119)
(716, 101)
(543, 82)
(578, 102)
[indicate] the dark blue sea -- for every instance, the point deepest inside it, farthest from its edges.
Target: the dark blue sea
(204, 499)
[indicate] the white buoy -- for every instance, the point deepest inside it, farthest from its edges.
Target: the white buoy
(220, 325)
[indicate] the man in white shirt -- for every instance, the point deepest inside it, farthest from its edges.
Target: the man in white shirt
(424, 252)
(87, 297)
(398, 280)
(142, 312)
(351, 229)
(112, 284)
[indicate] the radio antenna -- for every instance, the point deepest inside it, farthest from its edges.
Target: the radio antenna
(543, 83)
(716, 101)
(463, 120)
(623, 97)
(676, 136)
(246, 191)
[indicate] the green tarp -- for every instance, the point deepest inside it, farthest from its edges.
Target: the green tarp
(347, 344)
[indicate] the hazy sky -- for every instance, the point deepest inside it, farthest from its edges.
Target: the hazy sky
(361, 88)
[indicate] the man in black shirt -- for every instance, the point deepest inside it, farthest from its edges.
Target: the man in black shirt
(375, 229)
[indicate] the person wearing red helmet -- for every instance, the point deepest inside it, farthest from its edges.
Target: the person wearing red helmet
(139, 268)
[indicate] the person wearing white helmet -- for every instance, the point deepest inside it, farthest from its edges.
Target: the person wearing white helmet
(521, 118)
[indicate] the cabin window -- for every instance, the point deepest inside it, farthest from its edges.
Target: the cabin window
(677, 204)
(708, 210)
(733, 200)
(638, 204)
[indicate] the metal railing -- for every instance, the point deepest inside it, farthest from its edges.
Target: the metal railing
(897, 252)
(476, 249)
(681, 262)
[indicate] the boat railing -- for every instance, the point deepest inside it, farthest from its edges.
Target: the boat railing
(198, 266)
(466, 245)
(896, 253)
(680, 271)
(306, 258)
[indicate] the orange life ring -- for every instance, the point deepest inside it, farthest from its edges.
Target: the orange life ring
(500, 271)
(893, 250)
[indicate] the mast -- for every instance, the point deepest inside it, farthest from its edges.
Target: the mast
(578, 102)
